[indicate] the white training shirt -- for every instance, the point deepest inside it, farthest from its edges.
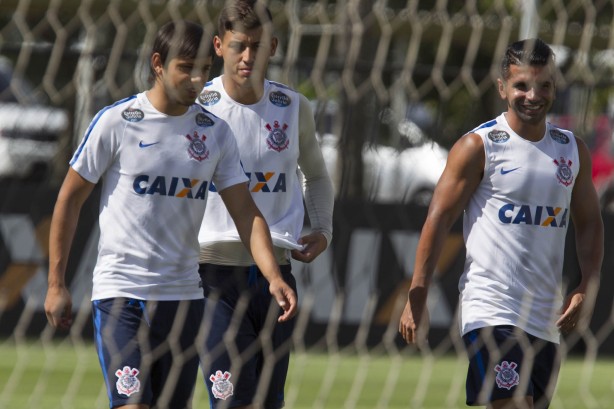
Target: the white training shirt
(515, 227)
(156, 171)
(267, 134)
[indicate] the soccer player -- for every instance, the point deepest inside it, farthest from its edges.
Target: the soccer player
(156, 153)
(275, 132)
(520, 181)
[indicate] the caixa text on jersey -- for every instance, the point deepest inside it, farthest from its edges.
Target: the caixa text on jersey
(171, 186)
(265, 182)
(546, 216)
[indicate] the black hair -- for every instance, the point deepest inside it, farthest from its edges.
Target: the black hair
(181, 39)
(243, 15)
(526, 52)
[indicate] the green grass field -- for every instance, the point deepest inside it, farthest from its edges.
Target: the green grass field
(55, 376)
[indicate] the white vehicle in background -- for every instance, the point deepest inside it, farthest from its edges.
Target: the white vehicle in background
(392, 175)
(29, 138)
(30, 132)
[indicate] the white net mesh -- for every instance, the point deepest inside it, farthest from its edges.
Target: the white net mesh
(393, 84)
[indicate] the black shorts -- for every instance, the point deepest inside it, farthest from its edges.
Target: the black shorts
(499, 359)
(134, 339)
(247, 351)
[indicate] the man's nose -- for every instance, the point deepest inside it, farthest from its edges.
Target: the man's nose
(249, 54)
(198, 78)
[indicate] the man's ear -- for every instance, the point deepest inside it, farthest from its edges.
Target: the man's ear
(501, 88)
(274, 42)
(217, 45)
(156, 64)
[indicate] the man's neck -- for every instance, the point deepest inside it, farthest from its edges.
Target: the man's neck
(246, 95)
(530, 132)
(160, 101)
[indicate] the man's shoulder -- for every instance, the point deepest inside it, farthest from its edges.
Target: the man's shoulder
(560, 135)
(204, 118)
(124, 110)
(485, 126)
(283, 96)
(214, 126)
(280, 85)
(495, 130)
(208, 117)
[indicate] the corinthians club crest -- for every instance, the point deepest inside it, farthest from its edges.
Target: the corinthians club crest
(197, 149)
(507, 377)
(127, 382)
(277, 139)
(222, 388)
(564, 173)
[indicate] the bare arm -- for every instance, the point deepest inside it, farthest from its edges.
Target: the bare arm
(72, 195)
(588, 225)
(319, 193)
(256, 237)
(459, 180)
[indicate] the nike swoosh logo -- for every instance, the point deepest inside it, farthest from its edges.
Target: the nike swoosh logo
(505, 172)
(145, 145)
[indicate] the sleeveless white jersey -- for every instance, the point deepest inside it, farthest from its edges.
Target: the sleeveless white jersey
(268, 140)
(515, 227)
(156, 171)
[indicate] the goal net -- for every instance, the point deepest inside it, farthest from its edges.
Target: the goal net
(393, 84)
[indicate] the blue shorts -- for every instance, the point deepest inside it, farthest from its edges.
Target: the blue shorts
(133, 339)
(238, 369)
(498, 361)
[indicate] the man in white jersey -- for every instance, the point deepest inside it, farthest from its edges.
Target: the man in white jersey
(519, 181)
(156, 153)
(275, 132)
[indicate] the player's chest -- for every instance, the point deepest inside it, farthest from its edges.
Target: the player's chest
(264, 131)
(164, 149)
(527, 172)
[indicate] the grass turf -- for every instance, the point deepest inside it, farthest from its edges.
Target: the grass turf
(51, 376)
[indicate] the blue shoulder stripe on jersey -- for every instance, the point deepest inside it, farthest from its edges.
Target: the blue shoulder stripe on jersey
(280, 85)
(204, 110)
(559, 128)
(94, 122)
(484, 125)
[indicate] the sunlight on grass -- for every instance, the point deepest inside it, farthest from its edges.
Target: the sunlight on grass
(68, 376)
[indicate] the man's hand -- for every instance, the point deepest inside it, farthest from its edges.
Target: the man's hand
(414, 322)
(58, 307)
(314, 244)
(285, 297)
(576, 312)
